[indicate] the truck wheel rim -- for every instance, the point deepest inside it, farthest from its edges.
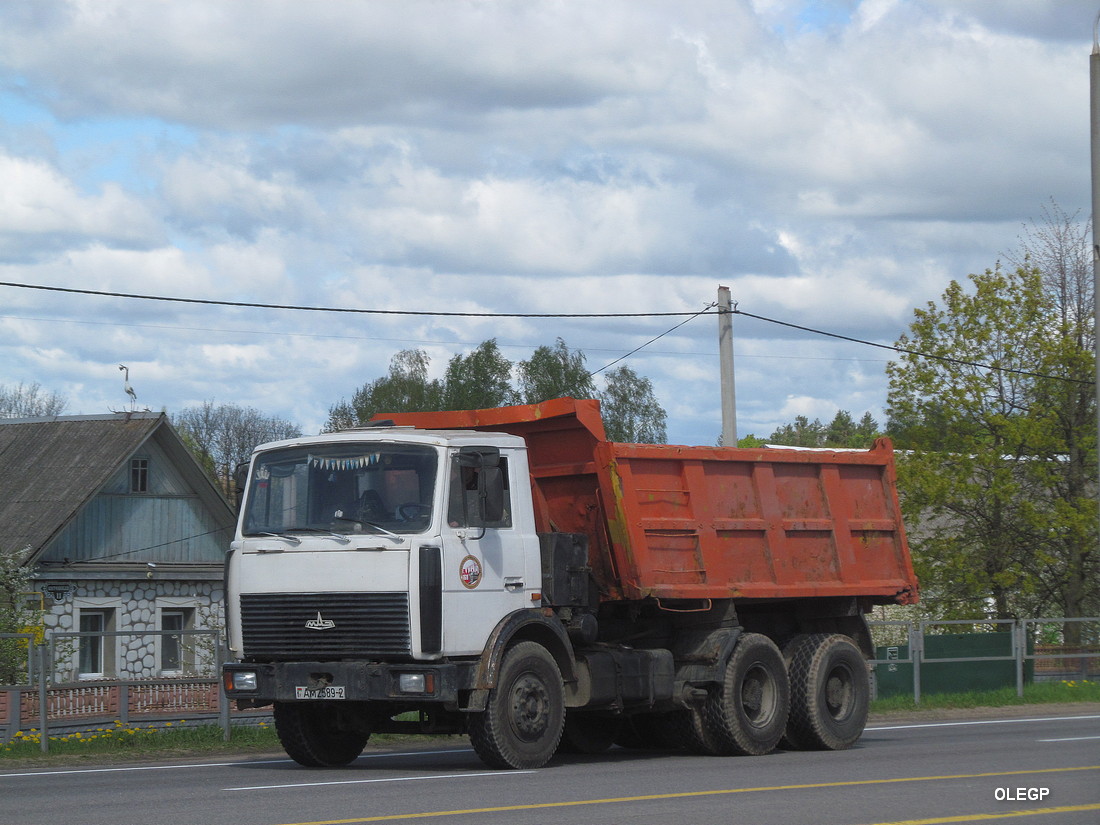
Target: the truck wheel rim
(839, 692)
(758, 696)
(530, 708)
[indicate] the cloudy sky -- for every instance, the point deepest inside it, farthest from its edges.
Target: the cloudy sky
(835, 164)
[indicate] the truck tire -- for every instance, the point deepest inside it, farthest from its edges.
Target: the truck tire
(830, 692)
(310, 735)
(522, 723)
(747, 714)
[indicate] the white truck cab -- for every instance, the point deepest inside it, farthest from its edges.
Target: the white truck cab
(385, 542)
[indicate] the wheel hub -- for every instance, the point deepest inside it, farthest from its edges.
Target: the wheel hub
(530, 708)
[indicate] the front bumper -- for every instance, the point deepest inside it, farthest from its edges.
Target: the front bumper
(260, 684)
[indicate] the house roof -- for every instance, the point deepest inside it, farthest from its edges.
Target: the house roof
(51, 467)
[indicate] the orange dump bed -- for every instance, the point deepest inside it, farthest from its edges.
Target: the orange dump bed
(677, 522)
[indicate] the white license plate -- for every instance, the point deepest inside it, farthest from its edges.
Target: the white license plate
(329, 692)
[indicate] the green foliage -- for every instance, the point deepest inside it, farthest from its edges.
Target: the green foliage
(750, 441)
(998, 462)
(842, 431)
(483, 379)
(631, 413)
(480, 380)
(1037, 693)
(16, 616)
(555, 372)
(406, 388)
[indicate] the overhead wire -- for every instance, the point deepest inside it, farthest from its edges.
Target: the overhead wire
(354, 310)
(907, 351)
(445, 314)
(657, 338)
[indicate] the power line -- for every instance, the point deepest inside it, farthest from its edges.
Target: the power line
(433, 313)
(657, 338)
(158, 546)
(918, 353)
(282, 333)
(355, 310)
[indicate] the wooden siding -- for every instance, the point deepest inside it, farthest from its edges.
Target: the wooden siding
(140, 528)
(164, 477)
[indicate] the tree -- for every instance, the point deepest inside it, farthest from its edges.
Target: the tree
(631, 412)
(405, 388)
(997, 418)
(30, 401)
(800, 433)
(15, 616)
(841, 432)
(480, 380)
(223, 435)
(483, 379)
(555, 372)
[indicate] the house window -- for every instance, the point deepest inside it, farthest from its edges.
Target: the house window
(173, 646)
(95, 651)
(139, 475)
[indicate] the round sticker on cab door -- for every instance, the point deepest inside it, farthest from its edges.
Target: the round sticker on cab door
(470, 572)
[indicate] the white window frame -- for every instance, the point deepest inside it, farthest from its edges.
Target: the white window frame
(188, 608)
(111, 611)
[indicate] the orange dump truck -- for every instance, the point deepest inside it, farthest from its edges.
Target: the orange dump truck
(511, 574)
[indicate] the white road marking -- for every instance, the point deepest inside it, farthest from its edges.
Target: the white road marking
(1069, 739)
(369, 781)
(127, 769)
(981, 722)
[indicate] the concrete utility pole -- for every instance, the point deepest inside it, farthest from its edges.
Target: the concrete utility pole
(1094, 119)
(725, 365)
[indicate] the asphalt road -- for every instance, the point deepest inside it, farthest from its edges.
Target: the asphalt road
(972, 770)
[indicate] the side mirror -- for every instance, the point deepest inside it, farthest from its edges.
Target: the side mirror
(490, 493)
(240, 479)
(479, 457)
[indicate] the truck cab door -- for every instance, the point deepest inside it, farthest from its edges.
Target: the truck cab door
(483, 556)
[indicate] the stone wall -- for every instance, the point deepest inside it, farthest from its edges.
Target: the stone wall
(132, 608)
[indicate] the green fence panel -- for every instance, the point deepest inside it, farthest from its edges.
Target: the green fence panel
(951, 677)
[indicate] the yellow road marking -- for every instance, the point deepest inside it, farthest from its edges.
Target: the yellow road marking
(942, 820)
(726, 791)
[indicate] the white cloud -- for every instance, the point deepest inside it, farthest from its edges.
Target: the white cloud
(835, 164)
(41, 209)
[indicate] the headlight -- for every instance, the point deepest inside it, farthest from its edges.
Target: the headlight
(240, 680)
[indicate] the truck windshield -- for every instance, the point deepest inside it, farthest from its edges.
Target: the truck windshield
(341, 488)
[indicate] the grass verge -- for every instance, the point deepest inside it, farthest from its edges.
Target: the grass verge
(1039, 693)
(122, 742)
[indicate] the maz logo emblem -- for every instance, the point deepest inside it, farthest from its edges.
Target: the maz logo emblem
(320, 624)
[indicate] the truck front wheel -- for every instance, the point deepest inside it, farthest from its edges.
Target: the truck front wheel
(830, 692)
(523, 720)
(312, 736)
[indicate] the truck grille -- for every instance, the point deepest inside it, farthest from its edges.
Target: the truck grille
(296, 626)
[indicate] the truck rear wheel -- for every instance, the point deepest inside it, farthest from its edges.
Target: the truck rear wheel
(830, 692)
(747, 714)
(523, 720)
(311, 736)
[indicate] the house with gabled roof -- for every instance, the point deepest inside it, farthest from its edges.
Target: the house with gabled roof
(126, 535)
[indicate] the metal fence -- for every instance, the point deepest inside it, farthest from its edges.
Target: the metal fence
(51, 693)
(1033, 658)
